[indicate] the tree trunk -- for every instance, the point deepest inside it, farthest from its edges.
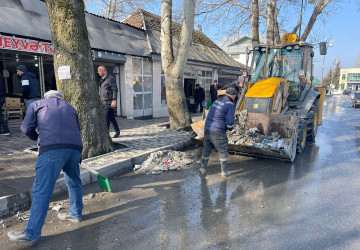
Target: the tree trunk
(174, 65)
(294, 31)
(179, 116)
(317, 10)
(270, 34)
(107, 13)
(255, 40)
(277, 32)
(72, 48)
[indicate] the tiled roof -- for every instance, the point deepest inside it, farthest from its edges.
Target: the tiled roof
(202, 48)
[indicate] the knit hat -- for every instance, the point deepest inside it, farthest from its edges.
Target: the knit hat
(22, 68)
(53, 93)
(231, 91)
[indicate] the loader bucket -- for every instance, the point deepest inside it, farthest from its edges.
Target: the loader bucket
(285, 125)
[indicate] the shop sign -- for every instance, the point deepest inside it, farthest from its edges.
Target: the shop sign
(22, 44)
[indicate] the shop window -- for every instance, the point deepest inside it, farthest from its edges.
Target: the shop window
(147, 67)
(205, 83)
(190, 72)
(136, 65)
(138, 102)
(137, 80)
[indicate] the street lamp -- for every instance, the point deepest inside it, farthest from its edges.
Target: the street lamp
(329, 43)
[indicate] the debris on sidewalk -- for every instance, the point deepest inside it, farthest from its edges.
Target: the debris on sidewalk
(22, 217)
(252, 137)
(166, 160)
(56, 208)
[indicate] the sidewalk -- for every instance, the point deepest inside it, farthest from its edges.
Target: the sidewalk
(141, 137)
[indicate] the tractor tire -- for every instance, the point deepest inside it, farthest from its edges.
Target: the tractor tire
(302, 135)
(312, 121)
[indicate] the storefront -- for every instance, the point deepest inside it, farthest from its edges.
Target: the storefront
(37, 57)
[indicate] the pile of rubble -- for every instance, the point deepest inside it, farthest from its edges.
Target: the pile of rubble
(165, 160)
(252, 137)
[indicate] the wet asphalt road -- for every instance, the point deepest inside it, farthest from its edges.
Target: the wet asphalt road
(312, 203)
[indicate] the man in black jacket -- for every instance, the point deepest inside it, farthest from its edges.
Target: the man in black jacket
(4, 129)
(199, 97)
(213, 91)
(108, 96)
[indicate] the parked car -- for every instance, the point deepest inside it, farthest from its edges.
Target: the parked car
(352, 95)
(346, 92)
(337, 92)
(356, 100)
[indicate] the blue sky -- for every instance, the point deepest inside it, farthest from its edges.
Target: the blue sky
(345, 30)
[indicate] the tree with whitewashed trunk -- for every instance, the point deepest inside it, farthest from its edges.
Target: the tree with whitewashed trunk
(72, 48)
(173, 64)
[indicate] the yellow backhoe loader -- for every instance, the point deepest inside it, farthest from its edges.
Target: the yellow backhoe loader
(279, 102)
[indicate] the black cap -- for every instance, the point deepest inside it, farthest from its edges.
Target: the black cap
(197, 85)
(22, 68)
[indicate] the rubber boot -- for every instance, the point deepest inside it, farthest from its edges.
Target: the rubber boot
(224, 167)
(204, 162)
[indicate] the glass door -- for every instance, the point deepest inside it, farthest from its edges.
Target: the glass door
(142, 87)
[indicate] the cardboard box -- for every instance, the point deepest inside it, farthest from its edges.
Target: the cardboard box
(12, 102)
(198, 128)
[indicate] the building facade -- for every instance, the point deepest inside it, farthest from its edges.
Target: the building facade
(130, 50)
(349, 79)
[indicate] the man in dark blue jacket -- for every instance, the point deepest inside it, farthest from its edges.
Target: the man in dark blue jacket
(54, 124)
(4, 129)
(219, 120)
(29, 85)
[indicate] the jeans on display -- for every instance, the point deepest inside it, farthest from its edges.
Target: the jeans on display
(29, 101)
(3, 125)
(110, 117)
(48, 167)
(219, 141)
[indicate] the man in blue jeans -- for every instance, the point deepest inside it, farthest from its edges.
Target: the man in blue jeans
(55, 125)
(220, 119)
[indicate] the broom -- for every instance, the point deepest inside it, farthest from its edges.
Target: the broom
(103, 182)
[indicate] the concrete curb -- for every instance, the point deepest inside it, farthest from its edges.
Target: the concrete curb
(19, 202)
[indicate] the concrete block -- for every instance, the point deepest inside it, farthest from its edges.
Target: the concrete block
(119, 167)
(14, 203)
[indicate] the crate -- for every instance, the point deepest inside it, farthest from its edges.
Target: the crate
(14, 112)
(12, 102)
